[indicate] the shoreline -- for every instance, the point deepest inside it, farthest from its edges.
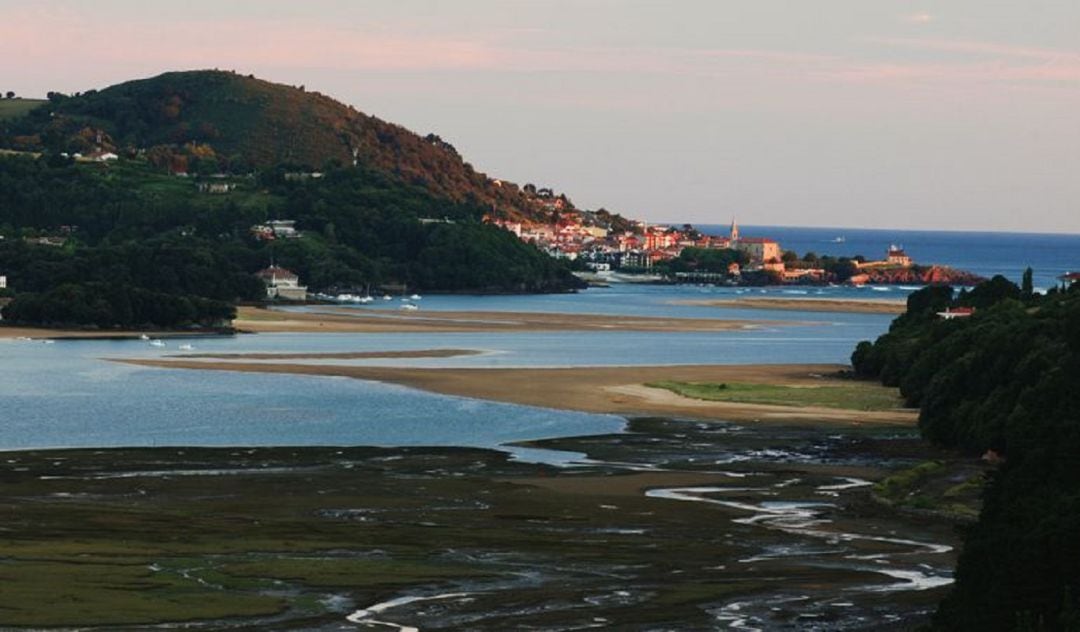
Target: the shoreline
(46, 333)
(602, 390)
(832, 305)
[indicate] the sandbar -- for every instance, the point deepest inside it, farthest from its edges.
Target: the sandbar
(342, 320)
(613, 390)
(346, 355)
(852, 306)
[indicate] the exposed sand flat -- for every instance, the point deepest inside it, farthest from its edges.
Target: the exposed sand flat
(348, 355)
(616, 390)
(855, 306)
(340, 320)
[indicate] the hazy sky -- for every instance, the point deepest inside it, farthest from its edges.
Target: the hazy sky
(881, 113)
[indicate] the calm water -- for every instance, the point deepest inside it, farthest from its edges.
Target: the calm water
(68, 394)
(62, 395)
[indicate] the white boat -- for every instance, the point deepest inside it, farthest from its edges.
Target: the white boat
(144, 337)
(186, 347)
(415, 297)
(387, 297)
(157, 343)
(364, 299)
(410, 307)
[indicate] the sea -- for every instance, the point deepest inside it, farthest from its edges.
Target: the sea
(1049, 255)
(64, 394)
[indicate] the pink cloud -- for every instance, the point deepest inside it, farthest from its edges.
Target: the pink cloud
(918, 18)
(223, 43)
(968, 47)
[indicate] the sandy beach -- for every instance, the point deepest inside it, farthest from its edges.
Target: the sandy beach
(615, 390)
(347, 355)
(342, 320)
(853, 306)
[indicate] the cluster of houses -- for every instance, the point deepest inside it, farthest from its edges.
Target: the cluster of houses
(575, 236)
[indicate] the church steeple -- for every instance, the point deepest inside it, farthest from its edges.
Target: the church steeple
(734, 230)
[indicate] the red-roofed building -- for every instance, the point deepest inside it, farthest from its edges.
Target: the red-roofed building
(282, 283)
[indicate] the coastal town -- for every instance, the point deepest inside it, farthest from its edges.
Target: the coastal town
(594, 243)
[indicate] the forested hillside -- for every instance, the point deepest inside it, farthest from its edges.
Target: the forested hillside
(126, 233)
(1004, 379)
(210, 121)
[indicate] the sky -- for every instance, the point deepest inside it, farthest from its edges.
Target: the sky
(946, 114)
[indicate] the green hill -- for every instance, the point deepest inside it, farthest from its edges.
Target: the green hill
(211, 120)
(14, 108)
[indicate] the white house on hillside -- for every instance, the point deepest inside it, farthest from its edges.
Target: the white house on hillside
(281, 283)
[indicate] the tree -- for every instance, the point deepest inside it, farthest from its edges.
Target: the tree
(10, 94)
(789, 256)
(1027, 287)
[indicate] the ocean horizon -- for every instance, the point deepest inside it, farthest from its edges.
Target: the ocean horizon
(985, 253)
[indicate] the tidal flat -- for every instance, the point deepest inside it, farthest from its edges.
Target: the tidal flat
(685, 524)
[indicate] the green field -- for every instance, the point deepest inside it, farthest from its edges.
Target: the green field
(851, 396)
(11, 108)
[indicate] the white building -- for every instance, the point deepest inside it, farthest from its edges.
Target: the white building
(281, 283)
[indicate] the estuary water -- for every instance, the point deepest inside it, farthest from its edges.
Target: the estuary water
(70, 394)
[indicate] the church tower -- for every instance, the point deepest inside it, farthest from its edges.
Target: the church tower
(734, 230)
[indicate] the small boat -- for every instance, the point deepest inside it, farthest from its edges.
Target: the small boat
(144, 337)
(415, 297)
(387, 297)
(410, 307)
(157, 343)
(186, 347)
(364, 299)
(839, 239)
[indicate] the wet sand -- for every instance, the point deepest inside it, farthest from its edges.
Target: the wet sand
(348, 355)
(851, 306)
(342, 320)
(614, 390)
